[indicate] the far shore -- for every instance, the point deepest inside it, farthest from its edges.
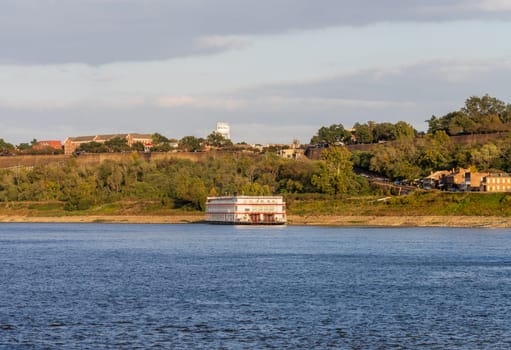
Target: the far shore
(309, 220)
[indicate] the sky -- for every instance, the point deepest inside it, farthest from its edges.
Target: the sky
(275, 70)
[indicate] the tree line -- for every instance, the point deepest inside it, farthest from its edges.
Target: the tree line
(415, 158)
(479, 115)
(178, 182)
(160, 143)
(408, 155)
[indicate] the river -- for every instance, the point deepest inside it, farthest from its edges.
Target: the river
(195, 286)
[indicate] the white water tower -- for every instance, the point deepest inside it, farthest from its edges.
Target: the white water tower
(224, 130)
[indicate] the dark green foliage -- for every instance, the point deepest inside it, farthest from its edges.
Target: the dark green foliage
(215, 139)
(138, 147)
(361, 159)
(364, 132)
(5, 146)
(479, 115)
(158, 139)
(370, 132)
(160, 143)
(93, 147)
(190, 144)
(117, 144)
(333, 135)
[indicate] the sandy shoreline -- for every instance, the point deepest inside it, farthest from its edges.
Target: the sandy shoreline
(312, 220)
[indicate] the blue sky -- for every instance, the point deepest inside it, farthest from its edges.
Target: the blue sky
(274, 70)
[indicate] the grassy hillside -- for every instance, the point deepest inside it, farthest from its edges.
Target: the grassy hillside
(421, 203)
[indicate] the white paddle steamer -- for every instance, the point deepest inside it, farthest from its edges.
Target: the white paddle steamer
(246, 210)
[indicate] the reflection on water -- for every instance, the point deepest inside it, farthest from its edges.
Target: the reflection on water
(75, 286)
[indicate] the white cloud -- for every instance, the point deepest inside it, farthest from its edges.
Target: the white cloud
(264, 134)
(200, 102)
(315, 103)
(55, 103)
(459, 72)
(223, 42)
(493, 5)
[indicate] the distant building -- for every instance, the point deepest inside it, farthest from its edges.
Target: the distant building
(55, 144)
(435, 179)
(294, 151)
(145, 139)
(71, 144)
(290, 153)
(496, 183)
(454, 180)
(463, 180)
(247, 210)
(224, 130)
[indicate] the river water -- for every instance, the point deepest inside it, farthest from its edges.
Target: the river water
(110, 286)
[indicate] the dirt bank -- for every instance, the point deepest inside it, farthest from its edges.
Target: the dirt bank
(129, 219)
(403, 221)
(312, 220)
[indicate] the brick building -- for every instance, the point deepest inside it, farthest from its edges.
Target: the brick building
(71, 144)
(500, 182)
(55, 144)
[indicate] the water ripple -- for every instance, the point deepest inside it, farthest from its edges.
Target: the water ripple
(197, 286)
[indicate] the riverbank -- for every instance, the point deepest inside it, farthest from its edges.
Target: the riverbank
(309, 220)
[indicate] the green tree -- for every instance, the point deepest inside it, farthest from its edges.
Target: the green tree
(158, 138)
(92, 147)
(138, 147)
(78, 187)
(117, 144)
(485, 157)
(478, 107)
(404, 130)
(295, 176)
(190, 189)
(336, 171)
(362, 159)
(110, 176)
(335, 134)
(216, 139)
(24, 146)
(460, 123)
(363, 133)
(434, 152)
(434, 124)
(190, 144)
(5, 146)
(478, 115)
(255, 189)
(384, 132)
(160, 143)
